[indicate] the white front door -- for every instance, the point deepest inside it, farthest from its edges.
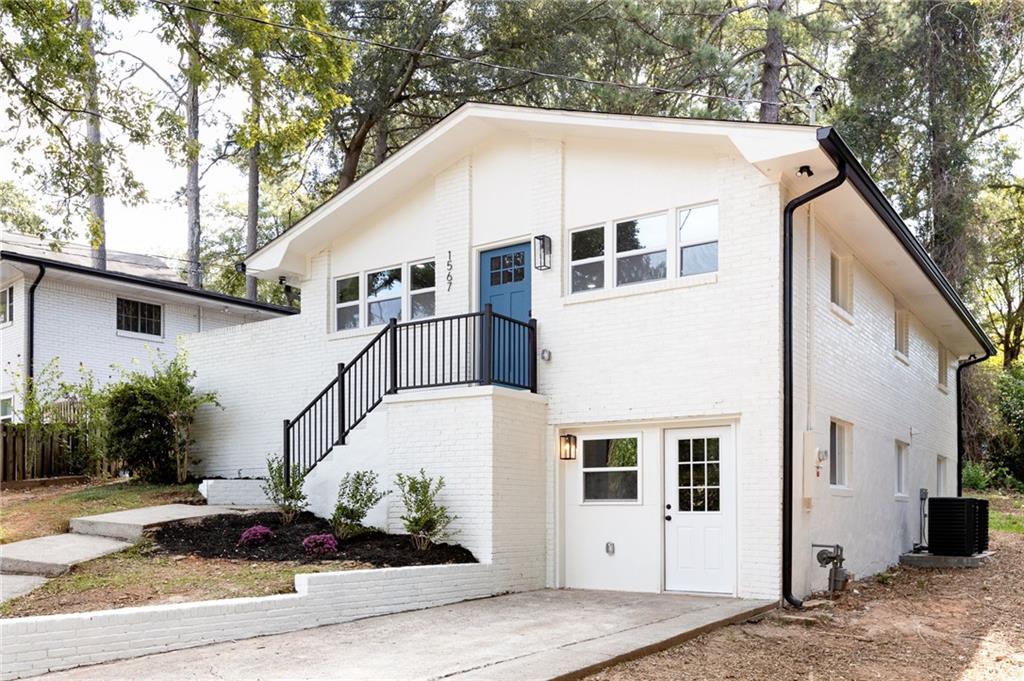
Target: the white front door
(700, 510)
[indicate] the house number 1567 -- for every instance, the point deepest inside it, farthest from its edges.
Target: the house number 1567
(450, 267)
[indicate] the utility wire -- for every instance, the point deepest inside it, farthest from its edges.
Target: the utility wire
(367, 42)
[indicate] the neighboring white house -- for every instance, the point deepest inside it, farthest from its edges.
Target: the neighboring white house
(56, 305)
(651, 253)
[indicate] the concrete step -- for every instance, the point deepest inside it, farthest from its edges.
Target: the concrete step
(54, 555)
(130, 525)
(12, 586)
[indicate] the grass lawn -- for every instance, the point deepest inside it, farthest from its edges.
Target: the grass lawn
(139, 576)
(48, 510)
(1005, 510)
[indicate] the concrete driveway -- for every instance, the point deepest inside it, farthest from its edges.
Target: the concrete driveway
(535, 635)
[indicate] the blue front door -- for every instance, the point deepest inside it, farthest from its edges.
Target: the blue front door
(505, 285)
(505, 281)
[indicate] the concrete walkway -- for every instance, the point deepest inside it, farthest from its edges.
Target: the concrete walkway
(536, 635)
(90, 537)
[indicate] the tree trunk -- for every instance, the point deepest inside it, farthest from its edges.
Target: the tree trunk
(97, 218)
(771, 69)
(195, 272)
(253, 216)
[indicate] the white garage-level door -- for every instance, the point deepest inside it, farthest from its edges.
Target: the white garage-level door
(700, 510)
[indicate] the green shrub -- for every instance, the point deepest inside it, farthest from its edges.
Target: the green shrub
(976, 476)
(288, 496)
(1007, 449)
(150, 420)
(425, 520)
(357, 494)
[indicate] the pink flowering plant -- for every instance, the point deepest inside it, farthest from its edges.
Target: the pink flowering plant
(257, 535)
(320, 545)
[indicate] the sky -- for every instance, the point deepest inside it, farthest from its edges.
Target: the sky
(158, 226)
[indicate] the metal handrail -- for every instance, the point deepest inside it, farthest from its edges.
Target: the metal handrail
(473, 348)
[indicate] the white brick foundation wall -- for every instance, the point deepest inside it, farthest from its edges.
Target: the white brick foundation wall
(234, 492)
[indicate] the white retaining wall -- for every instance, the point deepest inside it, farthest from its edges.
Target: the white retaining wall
(234, 492)
(35, 645)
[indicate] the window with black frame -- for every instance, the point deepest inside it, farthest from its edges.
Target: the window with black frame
(135, 316)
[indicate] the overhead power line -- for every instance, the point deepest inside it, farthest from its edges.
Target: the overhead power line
(367, 42)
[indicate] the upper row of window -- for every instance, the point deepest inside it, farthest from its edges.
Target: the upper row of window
(384, 295)
(638, 250)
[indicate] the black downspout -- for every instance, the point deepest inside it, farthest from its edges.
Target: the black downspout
(960, 420)
(30, 324)
(787, 377)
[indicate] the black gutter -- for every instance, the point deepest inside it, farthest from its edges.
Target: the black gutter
(835, 146)
(144, 281)
(30, 324)
(787, 377)
(960, 420)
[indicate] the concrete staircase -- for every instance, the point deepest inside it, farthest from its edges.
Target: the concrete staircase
(25, 565)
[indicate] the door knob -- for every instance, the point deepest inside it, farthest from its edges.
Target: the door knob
(668, 517)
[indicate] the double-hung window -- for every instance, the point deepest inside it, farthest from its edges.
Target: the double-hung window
(943, 367)
(841, 282)
(611, 469)
(640, 249)
(383, 296)
(587, 259)
(346, 303)
(422, 277)
(902, 462)
(901, 329)
(135, 316)
(839, 454)
(698, 240)
(7, 305)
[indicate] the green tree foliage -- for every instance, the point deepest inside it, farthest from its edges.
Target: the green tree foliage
(1007, 450)
(52, 83)
(1000, 282)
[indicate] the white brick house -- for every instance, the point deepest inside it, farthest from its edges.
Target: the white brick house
(56, 306)
(652, 254)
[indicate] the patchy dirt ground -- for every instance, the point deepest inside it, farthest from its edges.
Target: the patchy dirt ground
(904, 625)
(29, 513)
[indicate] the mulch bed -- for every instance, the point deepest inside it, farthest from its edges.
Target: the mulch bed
(217, 537)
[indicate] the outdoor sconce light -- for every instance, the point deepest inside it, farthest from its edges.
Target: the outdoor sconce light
(240, 267)
(567, 448)
(542, 252)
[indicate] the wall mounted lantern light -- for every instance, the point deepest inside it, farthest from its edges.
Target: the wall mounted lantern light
(567, 447)
(542, 252)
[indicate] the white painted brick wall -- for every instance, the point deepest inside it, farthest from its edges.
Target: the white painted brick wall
(856, 378)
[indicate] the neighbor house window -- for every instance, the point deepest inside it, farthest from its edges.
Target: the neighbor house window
(640, 252)
(384, 296)
(943, 367)
(346, 303)
(698, 240)
(587, 259)
(839, 453)
(841, 285)
(611, 469)
(421, 285)
(901, 331)
(136, 316)
(902, 460)
(7, 409)
(7, 305)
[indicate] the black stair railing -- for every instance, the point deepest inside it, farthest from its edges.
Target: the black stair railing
(476, 348)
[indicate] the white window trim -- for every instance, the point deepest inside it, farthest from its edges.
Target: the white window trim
(673, 244)
(638, 468)
(902, 465)
(364, 294)
(942, 378)
(901, 333)
(9, 417)
(843, 486)
(8, 291)
(152, 338)
(940, 485)
(844, 306)
(407, 312)
(357, 303)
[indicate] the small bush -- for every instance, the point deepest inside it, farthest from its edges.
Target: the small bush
(425, 520)
(357, 494)
(257, 535)
(320, 545)
(289, 497)
(976, 476)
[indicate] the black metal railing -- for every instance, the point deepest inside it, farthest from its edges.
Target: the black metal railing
(476, 348)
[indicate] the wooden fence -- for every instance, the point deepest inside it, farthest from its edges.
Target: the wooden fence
(16, 463)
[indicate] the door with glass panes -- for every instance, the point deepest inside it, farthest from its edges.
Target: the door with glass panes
(700, 510)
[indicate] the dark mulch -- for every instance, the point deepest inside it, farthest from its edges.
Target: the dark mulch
(217, 537)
